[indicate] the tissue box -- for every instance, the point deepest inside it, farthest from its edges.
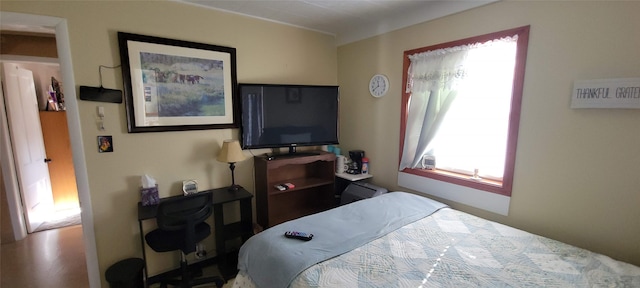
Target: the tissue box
(150, 196)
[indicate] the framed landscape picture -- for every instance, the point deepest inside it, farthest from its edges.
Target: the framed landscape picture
(173, 85)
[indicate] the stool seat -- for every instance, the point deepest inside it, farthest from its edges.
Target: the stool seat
(126, 273)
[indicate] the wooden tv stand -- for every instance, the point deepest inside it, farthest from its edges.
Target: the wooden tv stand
(313, 177)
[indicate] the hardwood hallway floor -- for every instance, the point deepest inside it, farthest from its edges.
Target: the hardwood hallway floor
(47, 259)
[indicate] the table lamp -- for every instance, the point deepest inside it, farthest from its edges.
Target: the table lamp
(231, 153)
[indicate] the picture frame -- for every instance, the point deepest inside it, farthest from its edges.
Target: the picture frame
(105, 144)
(175, 85)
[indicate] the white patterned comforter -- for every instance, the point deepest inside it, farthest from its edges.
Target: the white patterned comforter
(454, 249)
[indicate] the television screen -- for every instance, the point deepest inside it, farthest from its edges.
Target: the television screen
(276, 116)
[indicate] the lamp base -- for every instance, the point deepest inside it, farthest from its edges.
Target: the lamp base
(234, 188)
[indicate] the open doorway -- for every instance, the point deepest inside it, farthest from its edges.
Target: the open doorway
(73, 122)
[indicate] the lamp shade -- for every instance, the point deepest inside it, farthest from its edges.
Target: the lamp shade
(231, 152)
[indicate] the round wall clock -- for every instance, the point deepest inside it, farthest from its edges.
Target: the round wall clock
(378, 85)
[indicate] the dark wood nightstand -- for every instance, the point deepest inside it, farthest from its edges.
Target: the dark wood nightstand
(311, 173)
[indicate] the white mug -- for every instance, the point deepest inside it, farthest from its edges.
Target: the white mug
(340, 164)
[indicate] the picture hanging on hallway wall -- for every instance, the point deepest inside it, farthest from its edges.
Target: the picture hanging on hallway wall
(105, 144)
(174, 85)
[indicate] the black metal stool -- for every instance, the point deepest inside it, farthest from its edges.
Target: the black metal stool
(126, 273)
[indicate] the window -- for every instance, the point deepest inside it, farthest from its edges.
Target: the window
(461, 105)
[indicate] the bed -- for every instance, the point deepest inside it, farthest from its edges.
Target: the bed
(400, 239)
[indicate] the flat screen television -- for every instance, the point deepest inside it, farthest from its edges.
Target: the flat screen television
(278, 116)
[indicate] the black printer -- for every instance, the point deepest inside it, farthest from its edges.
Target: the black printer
(360, 190)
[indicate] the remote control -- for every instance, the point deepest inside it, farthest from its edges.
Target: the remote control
(298, 235)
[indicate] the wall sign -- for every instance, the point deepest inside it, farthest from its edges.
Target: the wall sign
(606, 93)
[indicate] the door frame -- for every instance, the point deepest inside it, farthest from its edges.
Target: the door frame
(75, 135)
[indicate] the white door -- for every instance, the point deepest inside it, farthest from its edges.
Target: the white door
(28, 145)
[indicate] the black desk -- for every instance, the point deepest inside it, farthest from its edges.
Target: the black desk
(223, 232)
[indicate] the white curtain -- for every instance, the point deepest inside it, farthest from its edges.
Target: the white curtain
(434, 79)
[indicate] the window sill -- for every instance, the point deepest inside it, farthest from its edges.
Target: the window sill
(484, 200)
(488, 185)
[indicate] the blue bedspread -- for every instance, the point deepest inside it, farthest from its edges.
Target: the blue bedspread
(273, 261)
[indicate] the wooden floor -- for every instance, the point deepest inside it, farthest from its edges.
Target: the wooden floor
(51, 258)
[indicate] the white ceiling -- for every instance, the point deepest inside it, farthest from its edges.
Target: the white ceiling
(349, 20)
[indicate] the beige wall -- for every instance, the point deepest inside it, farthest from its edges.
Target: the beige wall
(576, 176)
(558, 192)
(266, 52)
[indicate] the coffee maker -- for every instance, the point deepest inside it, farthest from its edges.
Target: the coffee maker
(356, 161)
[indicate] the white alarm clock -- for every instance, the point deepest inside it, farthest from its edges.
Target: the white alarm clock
(189, 187)
(429, 162)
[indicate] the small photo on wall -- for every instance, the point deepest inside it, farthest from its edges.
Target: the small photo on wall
(105, 144)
